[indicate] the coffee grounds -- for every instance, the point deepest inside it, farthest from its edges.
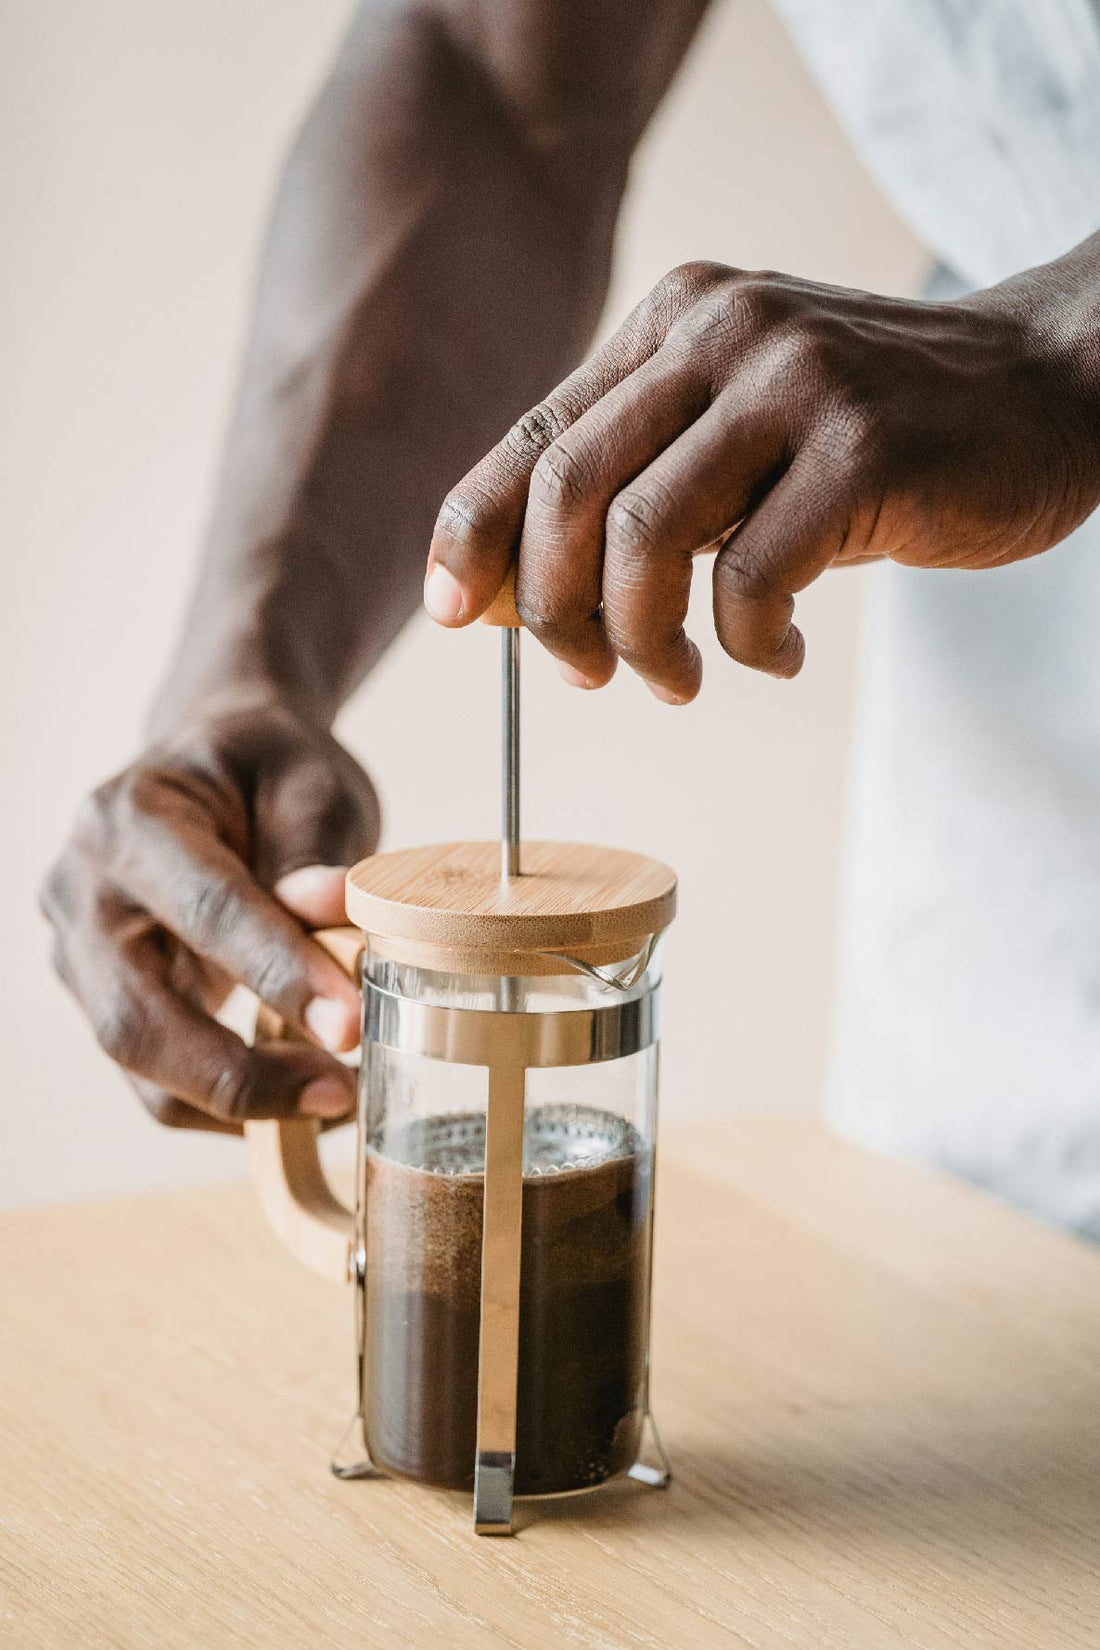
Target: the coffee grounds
(583, 1302)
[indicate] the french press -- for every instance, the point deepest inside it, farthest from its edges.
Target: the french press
(500, 1244)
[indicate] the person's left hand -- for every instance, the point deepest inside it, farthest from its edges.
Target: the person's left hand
(203, 864)
(790, 426)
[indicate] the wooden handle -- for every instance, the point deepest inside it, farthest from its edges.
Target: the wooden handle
(286, 1167)
(502, 611)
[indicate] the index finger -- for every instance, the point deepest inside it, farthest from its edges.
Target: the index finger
(177, 869)
(478, 529)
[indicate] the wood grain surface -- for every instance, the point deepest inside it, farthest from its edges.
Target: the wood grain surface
(570, 894)
(501, 611)
(881, 1392)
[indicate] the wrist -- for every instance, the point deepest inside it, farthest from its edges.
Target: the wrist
(1058, 307)
(261, 633)
(240, 664)
(226, 700)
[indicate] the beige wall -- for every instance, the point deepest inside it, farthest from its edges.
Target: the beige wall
(140, 145)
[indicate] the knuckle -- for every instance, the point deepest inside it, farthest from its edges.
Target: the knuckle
(536, 430)
(732, 306)
(761, 300)
(543, 624)
(557, 619)
(464, 516)
(633, 526)
(708, 323)
(682, 286)
(208, 909)
(234, 1090)
(277, 980)
(645, 654)
(738, 577)
(121, 1027)
(135, 799)
(560, 478)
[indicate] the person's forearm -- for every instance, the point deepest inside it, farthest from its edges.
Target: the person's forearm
(436, 260)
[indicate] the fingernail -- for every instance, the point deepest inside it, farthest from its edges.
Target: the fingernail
(573, 677)
(326, 1097)
(443, 595)
(332, 1022)
(665, 695)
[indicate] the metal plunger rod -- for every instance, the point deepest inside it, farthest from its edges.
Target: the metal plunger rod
(509, 753)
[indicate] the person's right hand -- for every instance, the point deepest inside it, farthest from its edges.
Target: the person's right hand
(788, 427)
(205, 864)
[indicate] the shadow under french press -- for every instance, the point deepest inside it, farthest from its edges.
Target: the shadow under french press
(621, 1501)
(1017, 1475)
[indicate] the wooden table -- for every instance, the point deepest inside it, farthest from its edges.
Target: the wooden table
(881, 1391)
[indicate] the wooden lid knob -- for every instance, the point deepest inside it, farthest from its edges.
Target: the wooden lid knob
(502, 611)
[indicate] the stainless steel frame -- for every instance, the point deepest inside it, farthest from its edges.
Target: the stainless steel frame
(485, 1037)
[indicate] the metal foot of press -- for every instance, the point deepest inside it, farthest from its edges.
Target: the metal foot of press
(494, 1484)
(658, 1476)
(351, 1459)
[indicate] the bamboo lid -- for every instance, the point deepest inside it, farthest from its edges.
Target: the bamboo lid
(569, 898)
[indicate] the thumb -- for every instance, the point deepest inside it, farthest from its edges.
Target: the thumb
(315, 894)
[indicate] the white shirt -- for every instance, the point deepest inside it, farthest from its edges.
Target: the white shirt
(968, 1020)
